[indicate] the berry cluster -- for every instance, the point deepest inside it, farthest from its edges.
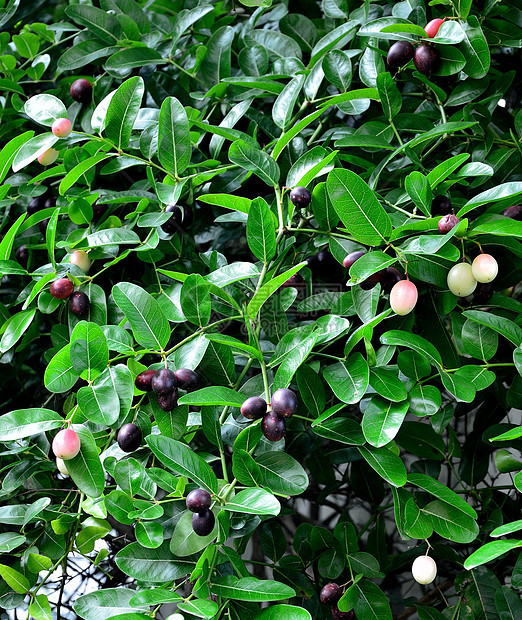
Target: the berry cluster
(203, 520)
(63, 288)
(425, 57)
(273, 423)
(66, 445)
(463, 278)
(165, 383)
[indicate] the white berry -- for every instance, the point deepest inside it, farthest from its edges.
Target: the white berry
(62, 467)
(461, 281)
(424, 569)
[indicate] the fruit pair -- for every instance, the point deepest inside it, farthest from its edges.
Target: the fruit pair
(203, 520)
(425, 57)
(78, 301)
(463, 278)
(330, 595)
(273, 425)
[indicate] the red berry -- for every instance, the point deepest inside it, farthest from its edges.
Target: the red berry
(447, 223)
(349, 260)
(79, 303)
(432, 27)
(61, 288)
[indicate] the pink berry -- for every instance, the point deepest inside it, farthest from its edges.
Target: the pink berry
(484, 268)
(61, 127)
(48, 157)
(403, 297)
(433, 27)
(80, 259)
(447, 223)
(66, 444)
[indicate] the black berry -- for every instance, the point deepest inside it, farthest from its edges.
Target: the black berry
(330, 594)
(371, 281)
(22, 255)
(180, 219)
(169, 400)
(199, 500)
(187, 379)
(203, 523)
(50, 203)
(61, 288)
(514, 212)
(296, 281)
(284, 403)
(79, 303)
(273, 427)
(42, 226)
(300, 197)
(36, 204)
(144, 380)
(426, 59)
(254, 408)
(400, 54)
(164, 381)
(483, 292)
(129, 437)
(342, 615)
(81, 91)
(441, 205)
(389, 278)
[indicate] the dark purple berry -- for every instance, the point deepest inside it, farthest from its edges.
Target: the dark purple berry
(81, 91)
(330, 594)
(22, 255)
(199, 500)
(399, 54)
(300, 197)
(144, 380)
(352, 257)
(254, 408)
(296, 281)
(371, 281)
(164, 381)
(79, 303)
(447, 223)
(168, 401)
(50, 203)
(514, 212)
(180, 219)
(129, 437)
(441, 205)
(342, 615)
(284, 403)
(203, 523)
(36, 204)
(98, 210)
(273, 427)
(389, 278)
(187, 379)
(42, 226)
(61, 288)
(483, 292)
(426, 59)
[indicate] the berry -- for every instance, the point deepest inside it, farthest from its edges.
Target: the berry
(61, 127)
(81, 259)
(36, 204)
(273, 427)
(300, 197)
(371, 281)
(79, 303)
(50, 203)
(42, 226)
(426, 59)
(168, 401)
(399, 54)
(129, 437)
(337, 614)
(81, 91)
(61, 288)
(447, 222)
(254, 408)
(22, 255)
(461, 281)
(62, 467)
(48, 157)
(187, 379)
(284, 403)
(483, 292)
(403, 297)
(144, 380)
(164, 381)
(181, 218)
(432, 27)
(199, 500)
(295, 281)
(424, 569)
(389, 278)
(203, 523)
(484, 268)
(330, 594)
(514, 212)
(352, 257)
(441, 205)
(66, 444)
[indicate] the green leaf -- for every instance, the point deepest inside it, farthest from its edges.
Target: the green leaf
(283, 107)
(60, 375)
(442, 492)
(133, 58)
(185, 541)
(8, 152)
(236, 203)
(344, 430)
(89, 351)
(100, 23)
(500, 192)
(195, 300)
(216, 63)
(100, 404)
(251, 589)
(254, 501)
(286, 612)
(268, 289)
(500, 324)
(449, 522)
(490, 551)
(281, 473)
(45, 109)
(85, 468)
(261, 235)
(79, 170)
(386, 383)
(15, 580)
(15, 327)
(382, 420)
(419, 190)
(349, 380)
(255, 160)
(108, 602)
(372, 603)
(30, 150)
(386, 463)
(40, 609)
(389, 94)
(174, 146)
(419, 344)
(475, 48)
(26, 422)
(215, 395)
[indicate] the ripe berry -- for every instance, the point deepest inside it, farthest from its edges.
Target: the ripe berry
(514, 212)
(81, 259)
(254, 408)
(300, 197)
(337, 614)
(273, 427)
(36, 204)
(62, 467)
(61, 288)
(48, 157)
(284, 403)
(79, 303)
(180, 220)
(22, 255)
(483, 292)
(50, 202)
(426, 59)
(203, 523)
(441, 205)
(447, 222)
(296, 281)
(484, 268)
(168, 401)
(66, 444)
(399, 54)
(349, 260)
(187, 379)
(129, 437)
(432, 27)
(330, 594)
(81, 91)
(371, 281)
(199, 500)
(424, 569)
(461, 281)
(403, 297)
(144, 380)
(42, 226)
(389, 278)
(164, 381)
(61, 127)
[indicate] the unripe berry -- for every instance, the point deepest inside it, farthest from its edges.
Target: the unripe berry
(175, 617)
(254, 408)
(81, 259)
(300, 197)
(447, 223)
(403, 297)
(349, 260)
(432, 27)
(66, 444)
(461, 281)
(424, 569)
(330, 594)
(61, 288)
(62, 467)
(81, 90)
(484, 268)
(61, 127)
(48, 157)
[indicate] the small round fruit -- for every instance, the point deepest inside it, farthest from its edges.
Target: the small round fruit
(371, 281)
(447, 222)
(349, 260)
(432, 27)
(461, 281)
(284, 403)
(22, 255)
(254, 408)
(79, 303)
(66, 444)
(61, 127)
(187, 379)
(48, 157)
(426, 59)
(81, 259)
(164, 381)
(129, 437)
(36, 204)
(300, 197)
(62, 467)
(403, 297)
(514, 212)
(42, 226)
(483, 292)
(199, 500)
(484, 268)
(424, 569)
(144, 380)
(168, 401)
(180, 220)
(399, 54)
(81, 90)
(50, 202)
(330, 594)
(389, 278)
(441, 205)
(61, 288)
(273, 427)
(203, 523)
(337, 614)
